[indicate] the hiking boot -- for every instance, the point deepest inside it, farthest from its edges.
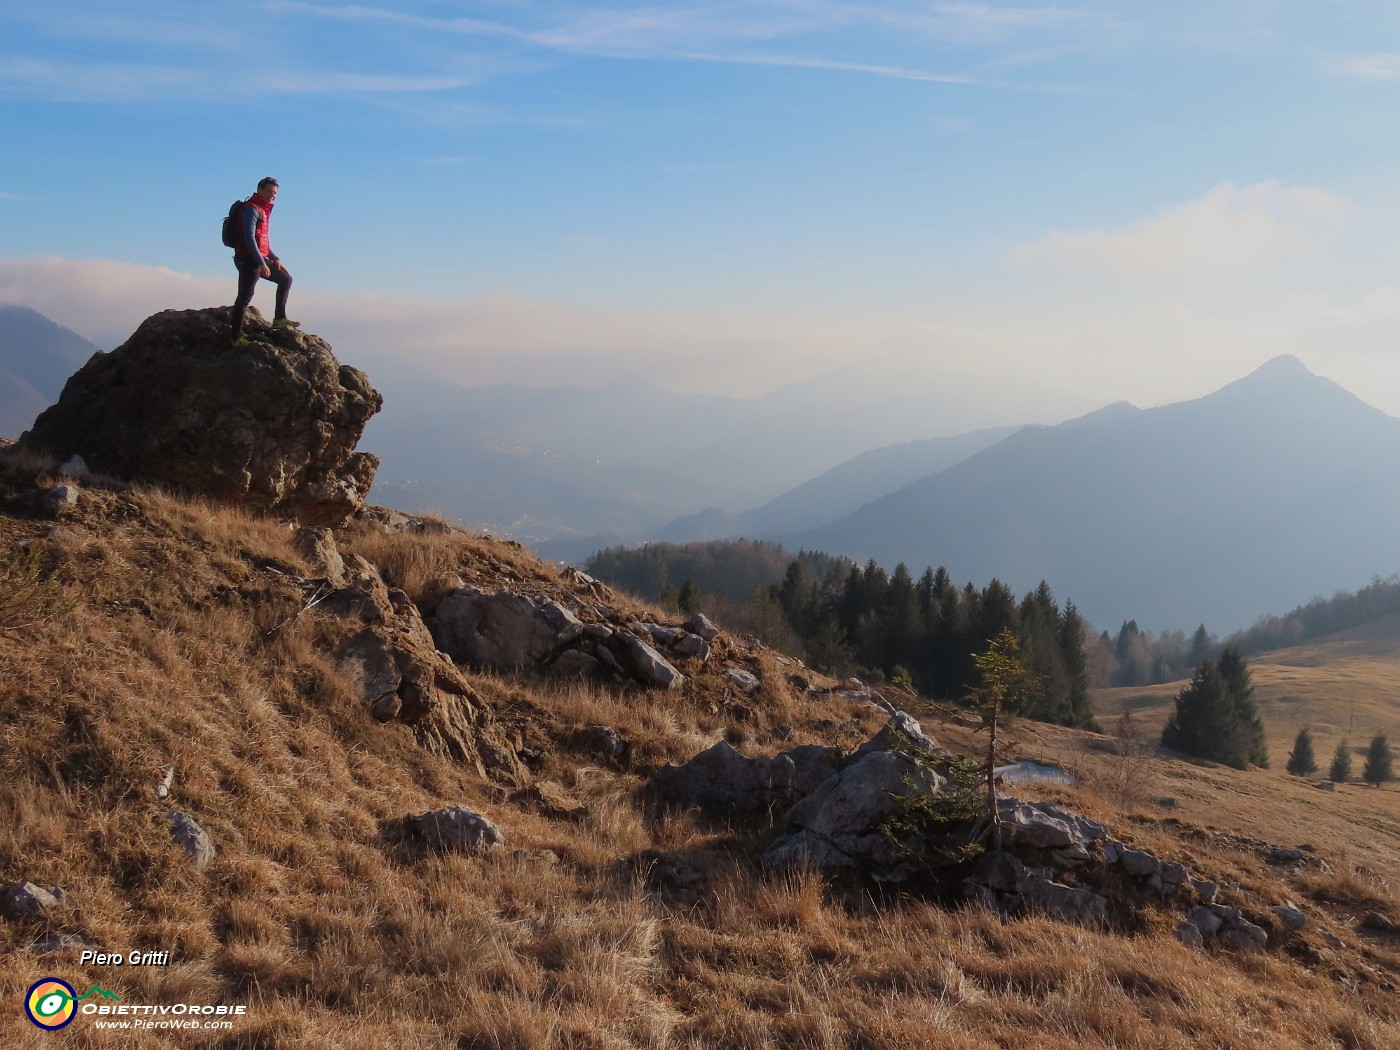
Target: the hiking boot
(285, 322)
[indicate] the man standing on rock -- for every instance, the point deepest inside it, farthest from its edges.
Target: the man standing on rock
(254, 259)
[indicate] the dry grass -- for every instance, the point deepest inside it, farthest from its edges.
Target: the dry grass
(1345, 686)
(334, 937)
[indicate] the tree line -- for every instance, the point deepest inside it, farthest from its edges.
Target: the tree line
(843, 618)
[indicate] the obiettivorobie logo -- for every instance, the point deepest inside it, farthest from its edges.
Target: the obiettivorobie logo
(52, 1004)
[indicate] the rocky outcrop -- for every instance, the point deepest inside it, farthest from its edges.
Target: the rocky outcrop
(511, 631)
(1002, 881)
(402, 676)
(721, 780)
(503, 631)
(271, 425)
(836, 803)
(839, 824)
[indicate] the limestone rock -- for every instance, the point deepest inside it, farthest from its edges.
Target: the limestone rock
(1189, 934)
(26, 898)
(317, 545)
(691, 645)
(457, 829)
(1290, 918)
(1244, 936)
(1027, 826)
(505, 630)
(902, 731)
(838, 824)
(1005, 883)
(644, 663)
(737, 676)
(603, 740)
(700, 624)
(1206, 920)
(721, 780)
(192, 838)
(272, 425)
(402, 676)
(1140, 863)
(60, 500)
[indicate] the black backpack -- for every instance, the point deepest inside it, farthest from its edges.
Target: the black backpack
(233, 232)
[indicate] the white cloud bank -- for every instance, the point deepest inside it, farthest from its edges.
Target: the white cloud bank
(1231, 230)
(493, 338)
(1028, 352)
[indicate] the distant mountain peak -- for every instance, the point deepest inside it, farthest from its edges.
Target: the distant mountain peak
(1114, 411)
(1282, 365)
(1285, 382)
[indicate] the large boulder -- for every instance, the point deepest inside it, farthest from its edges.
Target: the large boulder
(271, 425)
(506, 630)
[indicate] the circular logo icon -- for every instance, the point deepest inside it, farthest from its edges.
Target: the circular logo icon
(51, 1003)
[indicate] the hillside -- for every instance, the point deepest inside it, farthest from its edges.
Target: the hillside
(36, 356)
(1351, 678)
(836, 492)
(335, 931)
(358, 779)
(1214, 510)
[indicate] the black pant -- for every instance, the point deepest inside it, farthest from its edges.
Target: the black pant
(248, 274)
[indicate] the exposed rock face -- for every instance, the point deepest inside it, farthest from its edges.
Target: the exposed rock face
(721, 780)
(402, 676)
(504, 630)
(838, 824)
(272, 425)
(1003, 882)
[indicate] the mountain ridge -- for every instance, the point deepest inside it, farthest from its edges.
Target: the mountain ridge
(1110, 490)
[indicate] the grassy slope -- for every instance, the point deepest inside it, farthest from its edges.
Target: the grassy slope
(336, 937)
(1347, 679)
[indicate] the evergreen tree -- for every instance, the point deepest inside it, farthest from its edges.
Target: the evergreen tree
(1200, 646)
(688, 600)
(996, 611)
(1340, 772)
(1216, 716)
(1247, 723)
(1081, 713)
(1002, 682)
(1301, 761)
(1377, 770)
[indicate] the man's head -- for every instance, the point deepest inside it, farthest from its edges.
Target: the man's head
(267, 189)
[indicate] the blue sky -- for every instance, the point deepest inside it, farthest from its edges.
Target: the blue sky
(1042, 207)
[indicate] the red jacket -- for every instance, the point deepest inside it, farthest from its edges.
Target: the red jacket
(260, 223)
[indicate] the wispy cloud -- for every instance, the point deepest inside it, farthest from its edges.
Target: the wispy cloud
(362, 14)
(1379, 66)
(724, 32)
(102, 82)
(121, 82)
(1230, 230)
(796, 62)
